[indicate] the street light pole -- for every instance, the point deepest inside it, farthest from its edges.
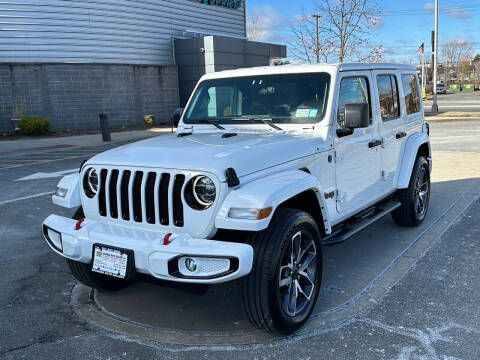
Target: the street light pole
(435, 61)
(317, 41)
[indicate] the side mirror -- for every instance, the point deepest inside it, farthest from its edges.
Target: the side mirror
(356, 116)
(177, 115)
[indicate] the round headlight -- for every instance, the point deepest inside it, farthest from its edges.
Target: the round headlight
(90, 182)
(204, 192)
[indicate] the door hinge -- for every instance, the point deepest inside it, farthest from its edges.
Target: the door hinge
(338, 155)
(384, 175)
(341, 196)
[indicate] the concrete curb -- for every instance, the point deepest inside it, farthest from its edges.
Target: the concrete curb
(75, 141)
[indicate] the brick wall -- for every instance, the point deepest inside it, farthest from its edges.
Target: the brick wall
(72, 95)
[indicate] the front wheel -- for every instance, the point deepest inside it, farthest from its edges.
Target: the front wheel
(416, 198)
(83, 273)
(280, 292)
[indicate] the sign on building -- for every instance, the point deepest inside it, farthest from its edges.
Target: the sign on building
(233, 4)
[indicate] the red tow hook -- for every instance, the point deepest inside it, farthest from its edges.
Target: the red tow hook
(166, 239)
(78, 224)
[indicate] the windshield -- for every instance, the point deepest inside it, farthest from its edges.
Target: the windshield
(292, 98)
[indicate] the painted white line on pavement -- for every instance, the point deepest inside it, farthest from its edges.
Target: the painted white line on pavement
(2, 167)
(41, 175)
(25, 198)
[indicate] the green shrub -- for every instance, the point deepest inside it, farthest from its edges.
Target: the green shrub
(149, 120)
(33, 125)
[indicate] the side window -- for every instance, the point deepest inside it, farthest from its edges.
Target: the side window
(412, 93)
(388, 96)
(353, 90)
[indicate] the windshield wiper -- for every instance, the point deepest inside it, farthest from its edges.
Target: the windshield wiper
(211, 122)
(266, 121)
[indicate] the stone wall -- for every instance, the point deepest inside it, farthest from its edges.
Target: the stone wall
(72, 95)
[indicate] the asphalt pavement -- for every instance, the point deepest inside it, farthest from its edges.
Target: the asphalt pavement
(459, 101)
(427, 310)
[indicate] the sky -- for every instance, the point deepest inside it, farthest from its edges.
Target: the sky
(404, 27)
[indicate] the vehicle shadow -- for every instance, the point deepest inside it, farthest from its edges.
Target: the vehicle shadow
(349, 269)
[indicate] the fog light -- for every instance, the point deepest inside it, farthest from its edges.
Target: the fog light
(55, 238)
(202, 266)
(190, 264)
(60, 192)
(250, 214)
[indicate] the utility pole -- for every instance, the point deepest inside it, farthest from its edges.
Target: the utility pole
(423, 71)
(317, 41)
(435, 61)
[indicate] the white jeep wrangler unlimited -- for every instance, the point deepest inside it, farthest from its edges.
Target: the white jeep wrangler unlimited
(267, 166)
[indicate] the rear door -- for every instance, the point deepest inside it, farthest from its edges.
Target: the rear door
(391, 118)
(412, 103)
(357, 155)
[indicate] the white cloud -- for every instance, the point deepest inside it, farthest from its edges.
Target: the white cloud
(453, 11)
(269, 23)
(375, 22)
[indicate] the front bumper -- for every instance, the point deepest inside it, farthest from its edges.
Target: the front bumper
(151, 255)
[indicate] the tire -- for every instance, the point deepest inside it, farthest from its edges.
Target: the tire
(264, 300)
(87, 277)
(414, 206)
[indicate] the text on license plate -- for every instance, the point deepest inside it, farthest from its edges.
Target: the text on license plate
(110, 261)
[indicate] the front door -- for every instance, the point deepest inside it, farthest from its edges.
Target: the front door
(358, 161)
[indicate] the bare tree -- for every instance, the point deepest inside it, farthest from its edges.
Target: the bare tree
(342, 29)
(377, 54)
(453, 52)
(476, 66)
(302, 44)
(255, 28)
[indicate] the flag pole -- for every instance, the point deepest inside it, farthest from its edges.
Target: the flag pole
(424, 83)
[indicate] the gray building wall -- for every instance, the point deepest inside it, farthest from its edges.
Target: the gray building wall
(69, 60)
(199, 56)
(108, 31)
(72, 95)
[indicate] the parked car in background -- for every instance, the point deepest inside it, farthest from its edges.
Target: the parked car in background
(441, 89)
(268, 165)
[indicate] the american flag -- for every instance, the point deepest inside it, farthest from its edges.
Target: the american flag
(421, 49)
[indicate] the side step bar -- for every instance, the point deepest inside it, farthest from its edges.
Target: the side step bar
(361, 222)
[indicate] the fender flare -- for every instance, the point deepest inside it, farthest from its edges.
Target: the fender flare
(272, 191)
(72, 198)
(410, 154)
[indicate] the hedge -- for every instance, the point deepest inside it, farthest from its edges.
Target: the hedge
(33, 125)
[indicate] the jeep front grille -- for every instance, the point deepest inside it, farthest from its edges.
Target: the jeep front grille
(141, 196)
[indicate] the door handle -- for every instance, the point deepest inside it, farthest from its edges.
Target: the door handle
(401, 135)
(375, 143)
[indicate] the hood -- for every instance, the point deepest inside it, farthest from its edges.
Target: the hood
(209, 152)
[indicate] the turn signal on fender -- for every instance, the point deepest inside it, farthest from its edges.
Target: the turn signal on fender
(250, 214)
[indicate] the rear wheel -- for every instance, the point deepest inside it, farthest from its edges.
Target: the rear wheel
(280, 292)
(415, 199)
(83, 273)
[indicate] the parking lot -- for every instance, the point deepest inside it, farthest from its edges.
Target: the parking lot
(459, 101)
(388, 292)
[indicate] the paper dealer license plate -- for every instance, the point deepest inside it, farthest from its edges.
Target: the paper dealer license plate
(110, 261)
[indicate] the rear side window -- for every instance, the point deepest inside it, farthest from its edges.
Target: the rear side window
(353, 90)
(412, 93)
(388, 96)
